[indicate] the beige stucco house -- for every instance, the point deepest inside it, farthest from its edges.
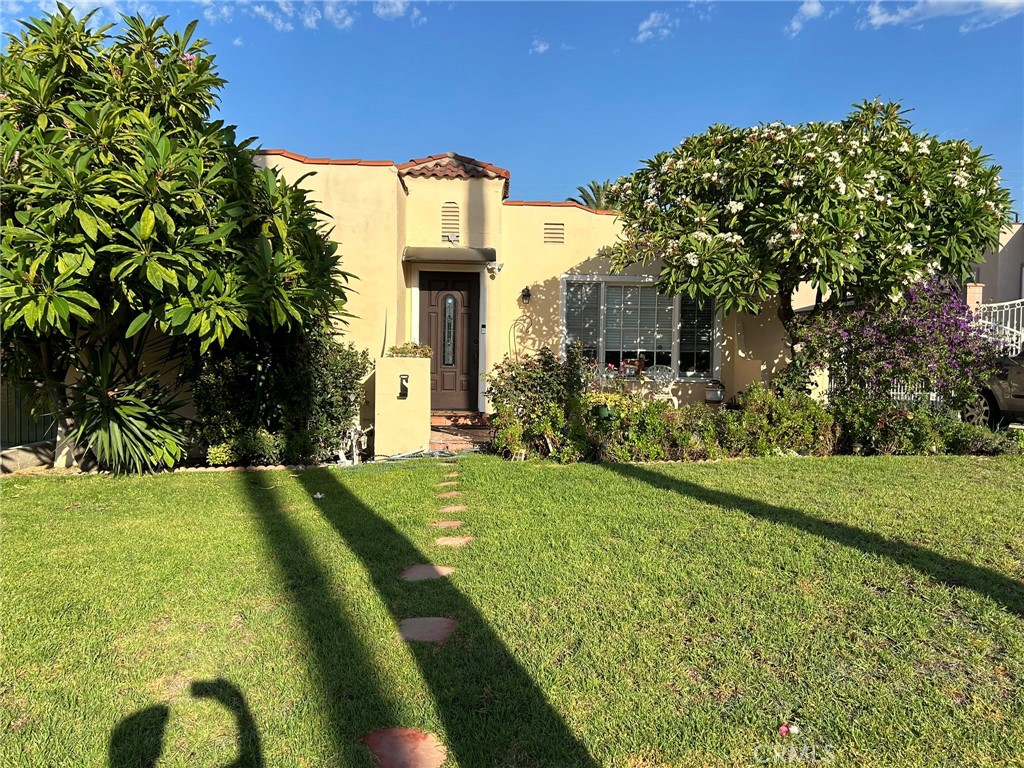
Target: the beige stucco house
(445, 258)
(1001, 272)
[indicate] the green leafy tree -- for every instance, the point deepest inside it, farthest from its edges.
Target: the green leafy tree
(136, 228)
(859, 209)
(594, 195)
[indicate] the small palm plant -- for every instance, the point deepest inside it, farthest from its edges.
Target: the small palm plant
(594, 195)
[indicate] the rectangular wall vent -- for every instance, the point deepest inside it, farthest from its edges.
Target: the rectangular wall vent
(554, 232)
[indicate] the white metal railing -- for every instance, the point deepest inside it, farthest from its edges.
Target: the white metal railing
(1004, 324)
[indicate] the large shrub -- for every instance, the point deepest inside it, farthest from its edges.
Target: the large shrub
(130, 215)
(283, 397)
(929, 341)
(533, 399)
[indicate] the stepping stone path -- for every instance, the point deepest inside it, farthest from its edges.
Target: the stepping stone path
(410, 747)
(424, 572)
(453, 541)
(405, 748)
(427, 629)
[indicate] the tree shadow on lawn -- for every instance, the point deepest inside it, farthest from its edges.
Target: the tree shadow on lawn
(351, 690)
(493, 712)
(138, 740)
(946, 570)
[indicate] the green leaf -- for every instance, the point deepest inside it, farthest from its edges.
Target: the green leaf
(147, 223)
(138, 324)
(88, 223)
(42, 121)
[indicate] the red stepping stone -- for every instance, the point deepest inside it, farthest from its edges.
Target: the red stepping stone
(453, 541)
(424, 572)
(446, 524)
(454, 508)
(452, 474)
(449, 494)
(428, 629)
(405, 748)
(448, 484)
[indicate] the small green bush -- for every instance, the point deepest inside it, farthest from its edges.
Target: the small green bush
(410, 349)
(221, 454)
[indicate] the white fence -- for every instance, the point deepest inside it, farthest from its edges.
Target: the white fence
(1004, 324)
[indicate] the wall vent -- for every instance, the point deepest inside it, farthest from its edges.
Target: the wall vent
(450, 223)
(554, 232)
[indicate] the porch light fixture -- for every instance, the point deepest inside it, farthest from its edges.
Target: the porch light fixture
(494, 267)
(525, 295)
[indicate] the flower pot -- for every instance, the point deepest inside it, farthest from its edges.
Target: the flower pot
(714, 392)
(602, 412)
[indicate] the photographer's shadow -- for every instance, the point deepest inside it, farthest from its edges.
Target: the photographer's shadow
(138, 740)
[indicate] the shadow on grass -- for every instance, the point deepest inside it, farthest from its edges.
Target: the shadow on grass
(945, 570)
(493, 712)
(353, 698)
(138, 740)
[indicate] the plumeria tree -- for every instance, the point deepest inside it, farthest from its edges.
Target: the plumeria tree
(129, 217)
(859, 209)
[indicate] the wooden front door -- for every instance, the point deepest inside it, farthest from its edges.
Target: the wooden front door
(449, 323)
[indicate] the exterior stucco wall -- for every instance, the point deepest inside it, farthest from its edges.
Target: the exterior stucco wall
(362, 205)
(1001, 271)
(376, 214)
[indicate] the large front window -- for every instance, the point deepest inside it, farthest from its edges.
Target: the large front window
(617, 321)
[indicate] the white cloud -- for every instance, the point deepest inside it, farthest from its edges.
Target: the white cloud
(658, 25)
(273, 18)
(539, 46)
(390, 9)
(809, 9)
(238, 42)
(310, 15)
(338, 15)
(979, 14)
(416, 18)
(215, 12)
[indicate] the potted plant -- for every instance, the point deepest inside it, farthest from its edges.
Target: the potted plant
(714, 391)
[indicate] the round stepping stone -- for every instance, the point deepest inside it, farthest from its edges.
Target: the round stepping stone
(446, 524)
(405, 748)
(424, 572)
(428, 629)
(453, 541)
(454, 508)
(448, 484)
(449, 494)
(451, 474)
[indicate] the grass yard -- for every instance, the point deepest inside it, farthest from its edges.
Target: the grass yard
(636, 616)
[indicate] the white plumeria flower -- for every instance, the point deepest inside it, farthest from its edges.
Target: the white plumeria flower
(734, 206)
(840, 184)
(923, 148)
(797, 180)
(692, 259)
(906, 249)
(904, 148)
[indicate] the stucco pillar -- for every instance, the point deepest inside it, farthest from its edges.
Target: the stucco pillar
(974, 293)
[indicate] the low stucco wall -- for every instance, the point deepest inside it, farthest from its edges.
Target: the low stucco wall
(401, 425)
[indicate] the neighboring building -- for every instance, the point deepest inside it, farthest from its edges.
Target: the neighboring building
(1002, 271)
(444, 258)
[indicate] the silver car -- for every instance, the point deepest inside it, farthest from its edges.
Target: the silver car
(1002, 400)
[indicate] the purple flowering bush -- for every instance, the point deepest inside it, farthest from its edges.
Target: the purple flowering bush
(930, 342)
(899, 373)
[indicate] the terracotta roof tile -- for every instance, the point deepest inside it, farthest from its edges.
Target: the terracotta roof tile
(564, 204)
(452, 166)
(323, 160)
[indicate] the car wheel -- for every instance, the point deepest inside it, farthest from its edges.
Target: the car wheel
(983, 411)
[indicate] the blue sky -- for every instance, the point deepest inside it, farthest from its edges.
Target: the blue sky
(561, 93)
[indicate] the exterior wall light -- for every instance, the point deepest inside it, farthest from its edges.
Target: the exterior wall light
(525, 295)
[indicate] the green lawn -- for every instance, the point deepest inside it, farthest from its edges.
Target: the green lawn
(633, 616)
